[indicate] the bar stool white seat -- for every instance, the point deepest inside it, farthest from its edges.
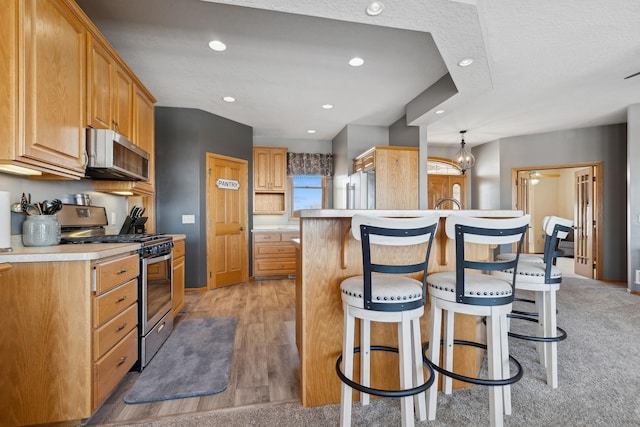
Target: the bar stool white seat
(544, 280)
(385, 294)
(474, 293)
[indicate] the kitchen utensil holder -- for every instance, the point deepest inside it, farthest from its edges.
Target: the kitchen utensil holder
(41, 230)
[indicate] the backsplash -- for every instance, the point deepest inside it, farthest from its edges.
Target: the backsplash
(64, 190)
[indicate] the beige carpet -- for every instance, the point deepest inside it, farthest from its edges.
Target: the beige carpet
(599, 378)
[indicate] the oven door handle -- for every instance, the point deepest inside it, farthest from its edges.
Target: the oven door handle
(154, 260)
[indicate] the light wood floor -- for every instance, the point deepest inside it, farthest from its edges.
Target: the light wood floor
(265, 366)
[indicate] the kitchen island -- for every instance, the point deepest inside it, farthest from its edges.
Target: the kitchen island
(327, 254)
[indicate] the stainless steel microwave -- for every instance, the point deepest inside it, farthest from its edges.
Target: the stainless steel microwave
(112, 156)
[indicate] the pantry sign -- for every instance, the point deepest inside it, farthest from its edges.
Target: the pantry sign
(227, 184)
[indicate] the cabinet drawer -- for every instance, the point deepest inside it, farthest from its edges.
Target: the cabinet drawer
(109, 370)
(274, 251)
(108, 305)
(114, 330)
(112, 273)
(275, 267)
(286, 237)
(178, 249)
(266, 237)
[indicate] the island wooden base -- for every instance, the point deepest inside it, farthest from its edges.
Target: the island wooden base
(327, 255)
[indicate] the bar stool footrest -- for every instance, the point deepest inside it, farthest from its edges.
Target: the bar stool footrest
(474, 380)
(379, 392)
(560, 336)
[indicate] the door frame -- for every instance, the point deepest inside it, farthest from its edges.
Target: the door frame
(210, 226)
(597, 205)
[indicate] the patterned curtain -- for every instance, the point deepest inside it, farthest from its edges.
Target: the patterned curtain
(309, 164)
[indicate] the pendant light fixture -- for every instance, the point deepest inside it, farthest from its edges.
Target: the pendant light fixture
(464, 158)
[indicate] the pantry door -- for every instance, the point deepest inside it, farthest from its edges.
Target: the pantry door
(227, 219)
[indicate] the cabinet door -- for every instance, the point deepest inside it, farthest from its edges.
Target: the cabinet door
(101, 76)
(278, 169)
(261, 169)
(143, 135)
(123, 107)
(54, 85)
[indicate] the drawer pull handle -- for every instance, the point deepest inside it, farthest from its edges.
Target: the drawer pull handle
(161, 327)
(122, 360)
(124, 270)
(122, 298)
(121, 327)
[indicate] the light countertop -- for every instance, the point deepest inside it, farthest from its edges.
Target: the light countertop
(348, 213)
(276, 229)
(69, 252)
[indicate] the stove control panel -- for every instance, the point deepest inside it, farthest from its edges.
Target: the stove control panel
(156, 249)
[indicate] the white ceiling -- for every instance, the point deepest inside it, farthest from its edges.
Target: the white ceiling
(538, 66)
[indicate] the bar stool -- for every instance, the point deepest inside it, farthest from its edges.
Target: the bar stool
(474, 293)
(536, 258)
(388, 296)
(544, 280)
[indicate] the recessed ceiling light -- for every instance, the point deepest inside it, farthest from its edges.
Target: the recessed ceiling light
(311, 131)
(327, 106)
(356, 62)
(465, 62)
(217, 45)
(375, 8)
(228, 99)
(439, 111)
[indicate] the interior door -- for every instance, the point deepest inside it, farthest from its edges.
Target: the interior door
(585, 224)
(524, 205)
(227, 219)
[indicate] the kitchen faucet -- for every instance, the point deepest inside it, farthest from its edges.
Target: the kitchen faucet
(447, 199)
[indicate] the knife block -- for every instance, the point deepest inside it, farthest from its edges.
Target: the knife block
(133, 225)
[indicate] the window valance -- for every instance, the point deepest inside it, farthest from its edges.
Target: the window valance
(309, 164)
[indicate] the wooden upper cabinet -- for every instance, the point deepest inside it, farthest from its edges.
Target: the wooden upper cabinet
(110, 93)
(42, 116)
(270, 169)
(100, 77)
(123, 97)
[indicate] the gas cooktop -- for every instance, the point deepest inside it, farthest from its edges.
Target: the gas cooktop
(116, 238)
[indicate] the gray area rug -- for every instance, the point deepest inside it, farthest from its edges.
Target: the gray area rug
(194, 361)
(599, 378)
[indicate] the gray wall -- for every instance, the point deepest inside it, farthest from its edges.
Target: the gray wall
(352, 141)
(183, 137)
(401, 135)
(606, 144)
(633, 195)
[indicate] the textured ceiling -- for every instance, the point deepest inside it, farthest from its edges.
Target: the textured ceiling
(538, 65)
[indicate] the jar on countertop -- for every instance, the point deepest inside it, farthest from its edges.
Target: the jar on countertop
(41, 230)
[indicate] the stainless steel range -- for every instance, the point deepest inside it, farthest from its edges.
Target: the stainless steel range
(85, 224)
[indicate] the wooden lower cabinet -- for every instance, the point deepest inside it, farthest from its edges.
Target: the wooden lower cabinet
(63, 346)
(274, 254)
(178, 275)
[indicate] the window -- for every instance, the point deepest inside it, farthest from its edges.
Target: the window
(307, 192)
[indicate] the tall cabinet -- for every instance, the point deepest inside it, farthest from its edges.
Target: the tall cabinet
(391, 177)
(269, 180)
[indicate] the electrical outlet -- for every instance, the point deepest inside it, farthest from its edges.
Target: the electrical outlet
(113, 218)
(188, 219)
